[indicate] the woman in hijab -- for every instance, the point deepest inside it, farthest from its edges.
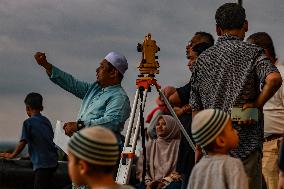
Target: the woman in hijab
(161, 109)
(162, 154)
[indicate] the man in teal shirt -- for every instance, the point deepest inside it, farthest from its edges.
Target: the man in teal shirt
(105, 102)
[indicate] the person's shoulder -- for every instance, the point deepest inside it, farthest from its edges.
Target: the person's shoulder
(45, 118)
(119, 91)
(32, 118)
(281, 71)
(40, 116)
(232, 162)
(205, 161)
(230, 158)
(280, 66)
(208, 51)
(199, 168)
(27, 121)
(251, 46)
(223, 159)
(95, 86)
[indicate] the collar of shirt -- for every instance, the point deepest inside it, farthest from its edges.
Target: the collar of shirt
(228, 37)
(38, 114)
(109, 88)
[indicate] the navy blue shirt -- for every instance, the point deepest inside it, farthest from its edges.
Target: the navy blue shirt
(38, 133)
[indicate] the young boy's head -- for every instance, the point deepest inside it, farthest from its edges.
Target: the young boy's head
(92, 151)
(212, 129)
(33, 102)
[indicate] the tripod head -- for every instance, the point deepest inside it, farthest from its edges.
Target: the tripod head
(148, 65)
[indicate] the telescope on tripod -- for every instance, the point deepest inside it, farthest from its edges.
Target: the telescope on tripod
(148, 68)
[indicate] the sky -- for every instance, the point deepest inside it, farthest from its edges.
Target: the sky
(76, 36)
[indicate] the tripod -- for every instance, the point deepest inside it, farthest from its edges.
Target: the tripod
(147, 66)
(127, 156)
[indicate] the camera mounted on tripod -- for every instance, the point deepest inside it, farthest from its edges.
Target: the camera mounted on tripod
(149, 65)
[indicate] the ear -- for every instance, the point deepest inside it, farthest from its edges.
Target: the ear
(218, 30)
(245, 26)
(83, 167)
(220, 141)
(28, 108)
(114, 73)
(266, 52)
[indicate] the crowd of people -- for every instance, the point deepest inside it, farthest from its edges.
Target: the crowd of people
(230, 74)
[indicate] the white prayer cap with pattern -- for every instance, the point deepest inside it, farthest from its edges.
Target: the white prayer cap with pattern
(96, 145)
(118, 61)
(207, 125)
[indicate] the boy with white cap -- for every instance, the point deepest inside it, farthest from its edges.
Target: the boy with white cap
(212, 130)
(104, 103)
(93, 154)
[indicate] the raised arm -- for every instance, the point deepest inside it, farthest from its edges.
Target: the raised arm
(42, 61)
(63, 79)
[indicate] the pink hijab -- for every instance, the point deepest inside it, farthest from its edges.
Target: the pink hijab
(162, 153)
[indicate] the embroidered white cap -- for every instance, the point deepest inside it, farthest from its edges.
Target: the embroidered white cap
(118, 61)
(207, 125)
(96, 145)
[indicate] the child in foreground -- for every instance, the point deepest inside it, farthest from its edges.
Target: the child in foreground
(37, 132)
(93, 155)
(212, 130)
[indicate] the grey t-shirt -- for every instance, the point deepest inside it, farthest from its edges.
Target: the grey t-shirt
(220, 172)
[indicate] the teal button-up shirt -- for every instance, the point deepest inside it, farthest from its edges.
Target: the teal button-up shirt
(108, 107)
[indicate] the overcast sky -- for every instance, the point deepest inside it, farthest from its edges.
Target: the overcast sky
(77, 34)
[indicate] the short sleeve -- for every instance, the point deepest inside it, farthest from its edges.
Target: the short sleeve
(26, 131)
(264, 67)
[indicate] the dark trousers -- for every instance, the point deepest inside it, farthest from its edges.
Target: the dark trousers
(43, 178)
(186, 156)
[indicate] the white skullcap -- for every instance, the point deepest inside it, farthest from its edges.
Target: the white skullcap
(118, 61)
(207, 125)
(96, 145)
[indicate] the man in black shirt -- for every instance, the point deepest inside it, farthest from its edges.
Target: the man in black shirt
(199, 42)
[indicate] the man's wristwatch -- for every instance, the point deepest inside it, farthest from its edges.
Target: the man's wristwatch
(80, 125)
